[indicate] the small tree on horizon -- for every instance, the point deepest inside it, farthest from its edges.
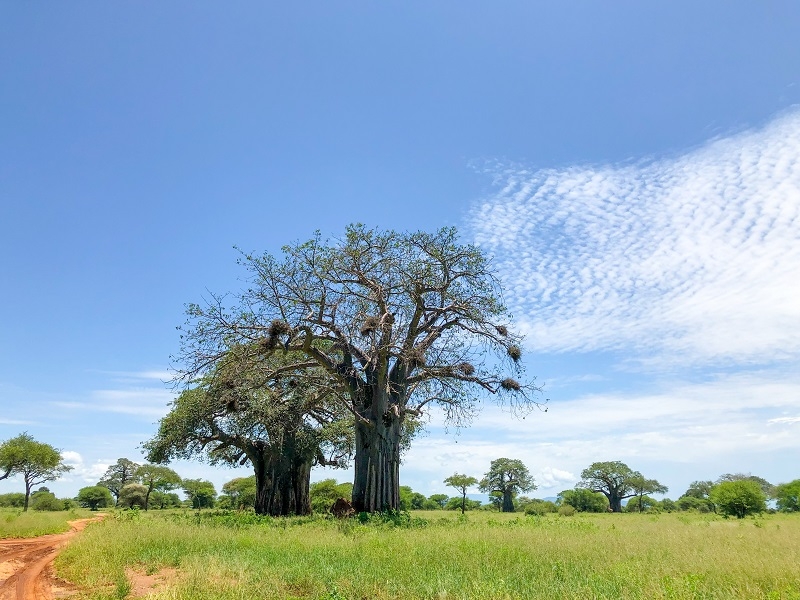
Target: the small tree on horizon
(739, 498)
(118, 475)
(613, 479)
(462, 483)
(94, 497)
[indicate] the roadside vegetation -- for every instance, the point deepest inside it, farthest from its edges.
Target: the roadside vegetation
(15, 523)
(440, 554)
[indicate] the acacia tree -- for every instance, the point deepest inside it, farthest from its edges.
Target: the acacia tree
(158, 478)
(118, 475)
(253, 411)
(396, 321)
(615, 480)
(462, 483)
(507, 477)
(643, 486)
(11, 457)
(35, 461)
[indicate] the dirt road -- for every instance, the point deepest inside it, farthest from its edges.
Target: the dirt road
(24, 572)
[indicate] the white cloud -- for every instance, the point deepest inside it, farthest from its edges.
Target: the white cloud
(86, 473)
(695, 258)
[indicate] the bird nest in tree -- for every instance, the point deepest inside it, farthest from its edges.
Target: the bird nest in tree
(371, 323)
(510, 385)
(466, 368)
(515, 352)
(278, 328)
(502, 330)
(415, 358)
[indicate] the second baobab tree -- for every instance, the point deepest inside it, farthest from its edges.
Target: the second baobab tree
(397, 321)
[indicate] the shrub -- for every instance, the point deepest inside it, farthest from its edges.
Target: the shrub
(566, 510)
(46, 501)
(739, 498)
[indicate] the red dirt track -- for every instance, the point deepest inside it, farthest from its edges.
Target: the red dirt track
(24, 573)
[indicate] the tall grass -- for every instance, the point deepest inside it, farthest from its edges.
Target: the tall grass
(17, 524)
(484, 556)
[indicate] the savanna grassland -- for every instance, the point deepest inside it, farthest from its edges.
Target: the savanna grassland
(14, 523)
(440, 555)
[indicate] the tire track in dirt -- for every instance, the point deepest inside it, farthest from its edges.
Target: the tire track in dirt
(23, 563)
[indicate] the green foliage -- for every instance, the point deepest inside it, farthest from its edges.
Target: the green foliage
(739, 498)
(12, 500)
(465, 503)
(156, 478)
(133, 495)
(239, 493)
(162, 500)
(439, 499)
(766, 486)
(46, 501)
(584, 500)
(201, 493)
(324, 493)
(95, 497)
(699, 489)
(788, 496)
(565, 510)
(693, 503)
(540, 507)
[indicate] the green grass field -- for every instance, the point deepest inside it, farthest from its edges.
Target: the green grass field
(17, 524)
(485, 556)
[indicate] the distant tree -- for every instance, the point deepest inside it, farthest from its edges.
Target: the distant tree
(439, 499)
(133, 495)
(201, 493)
(12, 500)
(788, 495)
(668, 505)
(507, 477)
(699, 489)
(584, 500)
(162, 500)
(94, 497)
(766, 486)
(118, 475)
(156, 478)
(45, 500)
(327, 491)
(643, 486)
(612, 479)
(239, 493)
(739, 498)
(462, 504)
(540, 507)
(35, 461)
(703, 505)
(396, 321)
(462, 483)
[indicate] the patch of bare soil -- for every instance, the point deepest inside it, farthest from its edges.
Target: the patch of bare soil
(25, 565)
(143, 584)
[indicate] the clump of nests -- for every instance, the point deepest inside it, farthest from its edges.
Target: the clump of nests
(466, 368)
(510, 385)
(371, 323)
(502, 330)
(515, 352)
(276, 329)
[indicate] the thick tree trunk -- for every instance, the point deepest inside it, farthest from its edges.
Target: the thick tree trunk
(615, 503)
(377, 465)
(508, 501)
(283, 476)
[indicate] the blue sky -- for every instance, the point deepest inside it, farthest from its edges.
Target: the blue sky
(634, 169)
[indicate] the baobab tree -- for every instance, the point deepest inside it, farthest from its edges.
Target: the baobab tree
(248, 409)
(396, 321)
